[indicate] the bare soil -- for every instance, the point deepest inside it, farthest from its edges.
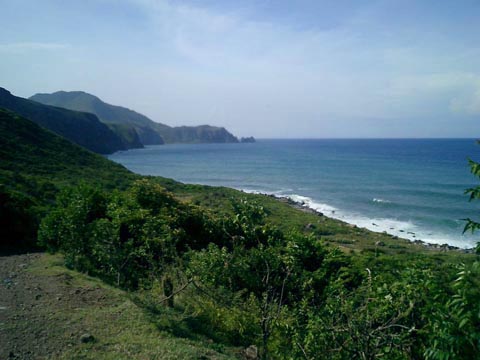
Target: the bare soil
(30, 328)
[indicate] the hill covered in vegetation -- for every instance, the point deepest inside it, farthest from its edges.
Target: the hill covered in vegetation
(149, 131)
(213, 271)
(81, 128)
(35, 164)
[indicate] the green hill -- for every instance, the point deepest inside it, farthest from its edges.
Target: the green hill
(198, 134)
(210, 272)
(81, 128)
(128, 134)
(149, 131)
(35, 164)
(109, 114)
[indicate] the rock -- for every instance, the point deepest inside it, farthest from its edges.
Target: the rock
(379, 243)
(249, 139)
(86, 338)
(251, 353)
(309, 226)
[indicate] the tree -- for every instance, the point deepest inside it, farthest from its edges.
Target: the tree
(457, 324)
(126, 237)
(474, 193)
(270, 270)
(69, 226)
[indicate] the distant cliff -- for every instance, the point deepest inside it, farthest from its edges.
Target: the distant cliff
(149, 131)
(249, 139)
(82, 128)
(128, 135)
(198, 134)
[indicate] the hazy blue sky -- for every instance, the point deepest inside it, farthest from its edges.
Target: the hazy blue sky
(264, 68)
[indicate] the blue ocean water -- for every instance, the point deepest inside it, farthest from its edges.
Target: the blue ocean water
(413, 188)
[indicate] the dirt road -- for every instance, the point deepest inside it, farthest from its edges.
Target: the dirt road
(31, 323)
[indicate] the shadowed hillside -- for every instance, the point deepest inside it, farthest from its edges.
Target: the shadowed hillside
(149, 131)
(35, 164)
(81, 128)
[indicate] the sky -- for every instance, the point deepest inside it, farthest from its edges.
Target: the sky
(271, 69)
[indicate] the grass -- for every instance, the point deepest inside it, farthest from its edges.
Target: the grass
(347, 237)
(122, 329)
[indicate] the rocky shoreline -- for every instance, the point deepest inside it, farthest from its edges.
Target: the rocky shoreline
(430, 246)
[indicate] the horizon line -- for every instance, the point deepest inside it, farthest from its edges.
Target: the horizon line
(368, 138)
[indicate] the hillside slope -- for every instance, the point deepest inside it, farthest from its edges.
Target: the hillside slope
(128, 135)
(149, 131)
(223, 269)
(81, 128)
(48, 308)
(35, 164)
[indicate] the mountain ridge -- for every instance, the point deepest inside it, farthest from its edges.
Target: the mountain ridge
(149, 131)
(84, 129)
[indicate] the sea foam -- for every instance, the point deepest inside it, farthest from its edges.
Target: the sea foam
(375, 200)
(403, 229)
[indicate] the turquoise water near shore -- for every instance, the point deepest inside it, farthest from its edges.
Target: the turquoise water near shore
(413, 188)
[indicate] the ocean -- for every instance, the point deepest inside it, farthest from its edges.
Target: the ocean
(412, 188)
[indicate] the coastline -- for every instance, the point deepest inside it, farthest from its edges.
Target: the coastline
(421, 207)
(305, 207)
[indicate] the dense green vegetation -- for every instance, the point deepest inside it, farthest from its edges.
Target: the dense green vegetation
(149, 131)
(238, 269)
(244, 281)
(81, 128)
(35, 164)
(474, 225)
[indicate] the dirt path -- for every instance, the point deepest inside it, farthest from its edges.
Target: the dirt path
(30, 327)
(22, 334)
(50, 312)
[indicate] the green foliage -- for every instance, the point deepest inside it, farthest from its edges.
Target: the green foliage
(244, 281)
(247, 270)
(19, 218)
(35, 165)
(81, 128)
(126, 238)
(69, 227)
(457, 323)
(268, 269)
(115, 116)
(149, 131)
(378, 319)
(474, 193)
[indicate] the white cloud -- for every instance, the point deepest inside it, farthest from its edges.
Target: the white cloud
(267, 71)
(260, 72)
